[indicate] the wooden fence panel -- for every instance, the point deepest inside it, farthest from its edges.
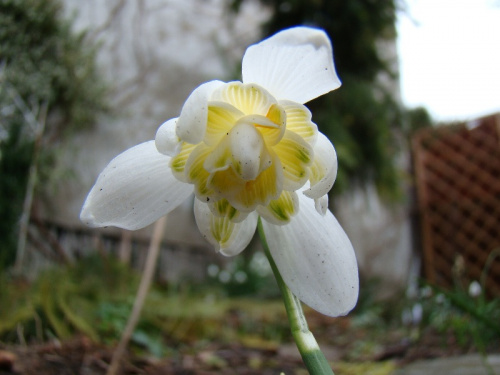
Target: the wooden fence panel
(458, 187)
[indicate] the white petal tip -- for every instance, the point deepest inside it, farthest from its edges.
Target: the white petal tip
(87, 218)
(166, 140)
(321, 204)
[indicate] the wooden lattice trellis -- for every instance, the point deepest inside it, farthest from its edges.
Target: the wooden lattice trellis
(458, 187)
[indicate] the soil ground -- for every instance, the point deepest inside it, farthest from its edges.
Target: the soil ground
(350, 349)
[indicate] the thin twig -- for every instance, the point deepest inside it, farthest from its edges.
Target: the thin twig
(30, 187)
(147, 276)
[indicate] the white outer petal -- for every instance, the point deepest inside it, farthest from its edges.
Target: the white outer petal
(294, 64)
(192, 122)
(316, 260)
(240, 238)
(135, 189)
(325, 153)
(166, 140)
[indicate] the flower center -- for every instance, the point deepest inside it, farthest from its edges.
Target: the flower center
(248, 158)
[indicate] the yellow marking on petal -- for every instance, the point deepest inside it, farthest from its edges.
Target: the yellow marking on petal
(221, 118)
(295, 155)
(317, 171)
(248, 98)
(222, 208)
(178, 162)
(221, 229)
(298, 120)
(219, 157)
(276, 115)
(262, 190)
(225, 183)
(283, 208)
(247, 195)
(196, 173)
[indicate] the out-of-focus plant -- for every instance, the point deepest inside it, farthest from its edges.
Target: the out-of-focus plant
(94, 296)
(471, 318)
(43, 64)
(244, 276)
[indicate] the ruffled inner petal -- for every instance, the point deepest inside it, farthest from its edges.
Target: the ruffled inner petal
(228, 237)
(273, 134)
(248, 151)
(323, 171)
(221, 118)
(262, 190)
(219, 157)
(192, 122)
(222, 208)
(280, 211)
(178, 162)
(226, 184)
(295, 155)
(196, 173)
(298, 120)
(166, 140)
(251, 99)
(247, 195)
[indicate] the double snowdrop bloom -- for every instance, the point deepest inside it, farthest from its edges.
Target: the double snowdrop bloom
(248, 149)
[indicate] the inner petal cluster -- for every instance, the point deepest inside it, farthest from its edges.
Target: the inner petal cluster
(256, 151)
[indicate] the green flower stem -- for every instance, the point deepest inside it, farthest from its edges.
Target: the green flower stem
(313, 357)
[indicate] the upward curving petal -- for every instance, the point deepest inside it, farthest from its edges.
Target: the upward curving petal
(134, 190)
(294, 64)
(315, 259)
(192, 122)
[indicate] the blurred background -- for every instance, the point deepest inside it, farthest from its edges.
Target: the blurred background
(416, 126)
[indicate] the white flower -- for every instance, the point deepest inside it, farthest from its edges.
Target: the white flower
(475, 289)
(248, 149)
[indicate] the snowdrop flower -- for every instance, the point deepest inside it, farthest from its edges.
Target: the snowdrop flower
(248, 149)
(475, 289)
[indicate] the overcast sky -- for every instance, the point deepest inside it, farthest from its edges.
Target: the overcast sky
(450, 57)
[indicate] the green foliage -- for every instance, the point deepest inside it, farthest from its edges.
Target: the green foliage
(63, 299)
(245, 276)
(42, 64)
(14, 164)
(418, 118)
(95, 296)
(473, 321)
(361, 118)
